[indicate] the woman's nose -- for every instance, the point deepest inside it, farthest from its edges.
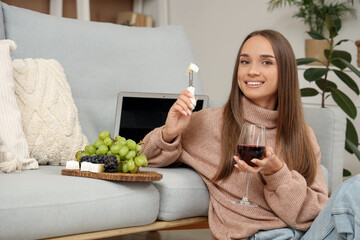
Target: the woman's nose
(254, 70)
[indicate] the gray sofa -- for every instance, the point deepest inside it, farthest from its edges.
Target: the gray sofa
(99, 60)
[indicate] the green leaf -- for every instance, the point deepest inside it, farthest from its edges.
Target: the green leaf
(338, 24)
(313, 74)
(330, 25)
(329, 85)
(341, 41)
(353, 147)
(351, 135)
(346, 173)
(316, 35)
(308, 92)
(344, 102)
(327, 53)
(342, 54)
(303, 61)
(351, 67)
(337, 56)
(347, 80)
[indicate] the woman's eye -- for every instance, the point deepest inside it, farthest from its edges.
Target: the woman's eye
(244, 61)
(266, 62)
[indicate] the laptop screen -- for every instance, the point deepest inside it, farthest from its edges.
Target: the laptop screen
(138, 114)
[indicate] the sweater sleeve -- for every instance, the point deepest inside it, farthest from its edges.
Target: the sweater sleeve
(158, 152)
(291, 199)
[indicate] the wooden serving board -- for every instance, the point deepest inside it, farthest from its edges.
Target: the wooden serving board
(142, 176)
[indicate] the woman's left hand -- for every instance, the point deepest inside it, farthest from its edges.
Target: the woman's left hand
(269, 165)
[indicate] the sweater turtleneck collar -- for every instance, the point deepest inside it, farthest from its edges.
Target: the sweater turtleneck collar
(258, 115)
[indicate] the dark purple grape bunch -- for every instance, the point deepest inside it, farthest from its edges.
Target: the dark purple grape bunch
(101, 158)
(94, 159)
(86, 159)
(110, 164)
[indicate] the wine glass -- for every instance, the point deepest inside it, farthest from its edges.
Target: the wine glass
(251, 145)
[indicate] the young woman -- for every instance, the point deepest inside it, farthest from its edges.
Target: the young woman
(287, 184)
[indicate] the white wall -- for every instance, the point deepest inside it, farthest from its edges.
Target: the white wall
(216, 29)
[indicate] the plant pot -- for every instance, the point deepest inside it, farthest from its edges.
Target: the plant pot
(315, 49)
(357, 43)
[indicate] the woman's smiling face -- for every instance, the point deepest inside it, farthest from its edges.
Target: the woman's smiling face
(258, 72)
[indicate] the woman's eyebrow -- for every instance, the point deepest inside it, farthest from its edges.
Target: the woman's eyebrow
(267, 56)
(262, 55)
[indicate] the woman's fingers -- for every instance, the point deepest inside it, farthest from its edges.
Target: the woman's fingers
(183, 103)
(181, 110)
(186, 97)
(243, 166)
(269, 151)
(261, 163)
(268, 165)
(182, 107)
(178, 117)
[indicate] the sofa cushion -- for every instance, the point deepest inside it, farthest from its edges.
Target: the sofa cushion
(101, 59)
(11, 131)
(43, 203)
(49, 115)
(183, 194)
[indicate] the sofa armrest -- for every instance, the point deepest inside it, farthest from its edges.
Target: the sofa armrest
(329, 126)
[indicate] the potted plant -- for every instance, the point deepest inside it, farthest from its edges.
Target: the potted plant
(313, 13)
(336, 61)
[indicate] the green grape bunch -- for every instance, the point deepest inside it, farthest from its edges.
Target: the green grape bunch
(126, 152)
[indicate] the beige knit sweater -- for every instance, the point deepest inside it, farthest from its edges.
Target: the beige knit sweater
(284, 199)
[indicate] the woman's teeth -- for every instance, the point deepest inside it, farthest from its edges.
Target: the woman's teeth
(254, 83)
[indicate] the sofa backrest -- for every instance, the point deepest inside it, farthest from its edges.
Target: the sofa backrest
(101, 59)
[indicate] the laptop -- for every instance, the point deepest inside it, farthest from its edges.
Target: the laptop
(139, 113)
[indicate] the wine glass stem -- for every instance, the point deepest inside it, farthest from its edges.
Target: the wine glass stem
(245, 198)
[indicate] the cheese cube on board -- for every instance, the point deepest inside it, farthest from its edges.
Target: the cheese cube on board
(97, 168)
(72, 165)
(85, 166)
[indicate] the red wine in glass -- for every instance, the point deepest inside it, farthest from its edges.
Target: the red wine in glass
(251, 144)
(248, 152)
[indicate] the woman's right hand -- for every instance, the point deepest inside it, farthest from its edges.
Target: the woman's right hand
(178, 117)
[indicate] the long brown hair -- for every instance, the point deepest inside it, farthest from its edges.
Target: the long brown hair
(292, 134)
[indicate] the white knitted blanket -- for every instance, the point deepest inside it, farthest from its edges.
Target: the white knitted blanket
(49, 115)
(14, 152)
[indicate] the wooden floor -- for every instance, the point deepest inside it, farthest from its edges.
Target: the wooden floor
(196, 234)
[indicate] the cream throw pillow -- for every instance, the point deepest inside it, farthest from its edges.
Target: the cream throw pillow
(49, 115)
(14, 152)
